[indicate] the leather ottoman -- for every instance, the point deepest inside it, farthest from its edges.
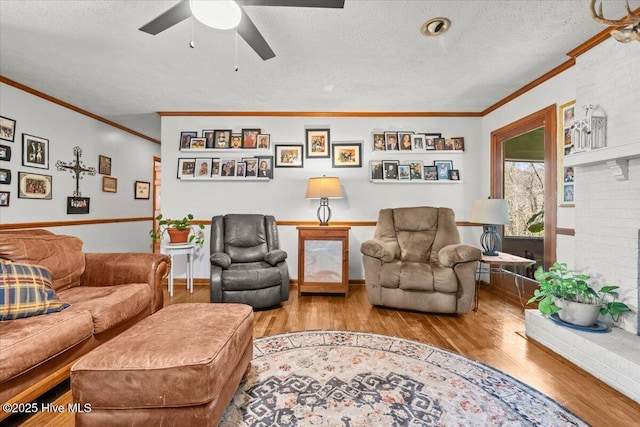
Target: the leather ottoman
(180, 366)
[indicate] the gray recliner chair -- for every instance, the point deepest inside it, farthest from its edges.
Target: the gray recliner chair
(247, 264)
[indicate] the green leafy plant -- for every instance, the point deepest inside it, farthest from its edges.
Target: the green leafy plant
(562, 283)
(196, 236)
(535, 224)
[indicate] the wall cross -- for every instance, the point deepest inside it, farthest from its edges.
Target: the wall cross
(78, 168)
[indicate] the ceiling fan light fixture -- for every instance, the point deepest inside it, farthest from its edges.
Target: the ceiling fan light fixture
(435, 27)
(219, 14)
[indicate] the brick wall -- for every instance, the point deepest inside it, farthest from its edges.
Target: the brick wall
(608, 211)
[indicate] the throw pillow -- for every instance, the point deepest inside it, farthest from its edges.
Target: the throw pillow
(25, 291)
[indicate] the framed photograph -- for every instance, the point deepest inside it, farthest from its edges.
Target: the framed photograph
(35, 151)
(265, 167)
(416, 169)
(104, 165)
(222, 138)
(142, 190)
(5, 153)
(567, 175)
(405, 140)
(404, 172)
(289, 156)
(417, 142)
(34, 186)
(186, 168)
(430, 140)
(454, 175)
(7, 129)
(375, 170)
(252, 166)
(458, 143)
(215, 167)
(430, 173)
(378, 142)
(250, 138)
(443, 167)
(346, 155)
(5, 176)
(197, 143)
(227, 167)
(236, 140)
(264, 141)
(448, 144)
(439, 143)
(185, 139)
(391, 141)
(568, 195)
(202, 168)
(317, 143)
(77, 205)
(4, 198)
(241, 168)
(566, 119)
(109, 184)
(390, 169)
(209, 138)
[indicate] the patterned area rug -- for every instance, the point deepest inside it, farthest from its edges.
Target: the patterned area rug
(338, 378)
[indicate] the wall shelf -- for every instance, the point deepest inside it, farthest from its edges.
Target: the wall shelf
(230, 151)
(414, 181)
(414, 152)
(229, 178)
(616, 158)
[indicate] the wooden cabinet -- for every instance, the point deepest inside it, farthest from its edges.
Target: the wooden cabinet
(323, 260)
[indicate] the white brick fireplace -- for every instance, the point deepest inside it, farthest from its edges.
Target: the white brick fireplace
(607, 217)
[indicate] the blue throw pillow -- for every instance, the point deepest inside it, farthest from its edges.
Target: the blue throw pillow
(26, 290)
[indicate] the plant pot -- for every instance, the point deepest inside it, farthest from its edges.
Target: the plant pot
(178, 236)
(578, 313)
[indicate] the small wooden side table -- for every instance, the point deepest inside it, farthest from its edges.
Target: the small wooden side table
(496, 264)
(188, 249)
(323, 259)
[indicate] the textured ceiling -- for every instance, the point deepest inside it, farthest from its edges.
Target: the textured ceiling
(369, 56)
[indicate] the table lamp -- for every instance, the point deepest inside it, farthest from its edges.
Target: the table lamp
(323, 188)
(490, 213)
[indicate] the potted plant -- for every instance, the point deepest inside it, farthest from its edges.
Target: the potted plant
(179, 230)
(563, 291)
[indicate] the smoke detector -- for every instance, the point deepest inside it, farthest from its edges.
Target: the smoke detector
(435, 27)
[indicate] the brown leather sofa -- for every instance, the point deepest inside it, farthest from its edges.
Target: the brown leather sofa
(108, 293)
(416, 262)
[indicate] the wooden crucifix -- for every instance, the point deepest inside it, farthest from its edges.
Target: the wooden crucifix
(76, 168)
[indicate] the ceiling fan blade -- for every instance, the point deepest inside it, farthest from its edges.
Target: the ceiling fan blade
(339, 4)
(171, 17)
(249, 32)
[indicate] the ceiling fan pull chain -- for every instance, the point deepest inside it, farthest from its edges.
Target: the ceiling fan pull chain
(192, 44)
(236, 61)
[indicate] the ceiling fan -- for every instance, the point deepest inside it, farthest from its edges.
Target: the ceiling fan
(246, 28)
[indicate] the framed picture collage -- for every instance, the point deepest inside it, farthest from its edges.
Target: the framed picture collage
(228, 165)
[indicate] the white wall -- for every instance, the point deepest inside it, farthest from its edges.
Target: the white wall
(283, 196)
(131, 160)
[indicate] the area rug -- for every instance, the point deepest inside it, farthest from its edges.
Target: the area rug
(338, 378)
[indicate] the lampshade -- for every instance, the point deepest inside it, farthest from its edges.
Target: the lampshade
(325, 187)
(490, 211)
(220, 14)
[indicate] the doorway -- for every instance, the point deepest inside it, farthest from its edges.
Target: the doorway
(543, 122)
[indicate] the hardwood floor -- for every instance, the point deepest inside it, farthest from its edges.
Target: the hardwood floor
(494, 335)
